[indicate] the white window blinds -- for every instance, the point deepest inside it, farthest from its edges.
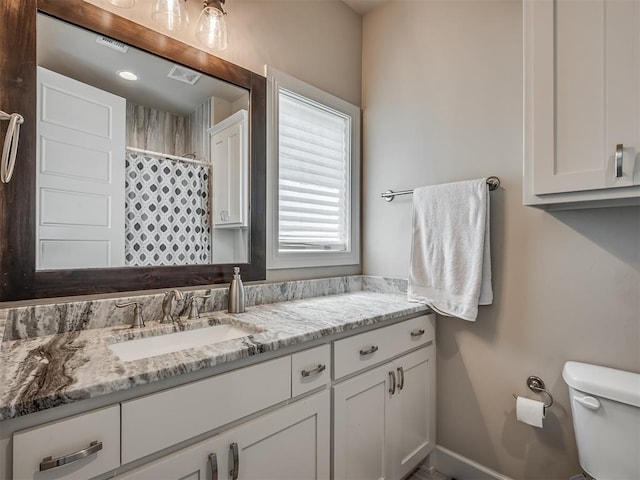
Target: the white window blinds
(314, 165)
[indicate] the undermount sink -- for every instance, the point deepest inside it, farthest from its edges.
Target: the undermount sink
(173, 342)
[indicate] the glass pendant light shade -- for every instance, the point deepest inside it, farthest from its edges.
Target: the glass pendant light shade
(171, 14)
(211, 29)
(123, 3)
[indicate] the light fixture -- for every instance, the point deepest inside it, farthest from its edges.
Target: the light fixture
(128, 75)
(211, 29)
(123, 3)
(171, 14)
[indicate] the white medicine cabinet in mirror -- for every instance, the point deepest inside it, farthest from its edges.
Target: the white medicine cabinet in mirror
(139, 161)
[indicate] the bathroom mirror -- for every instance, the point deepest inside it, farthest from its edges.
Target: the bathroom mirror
(55, 189)
(126, 176)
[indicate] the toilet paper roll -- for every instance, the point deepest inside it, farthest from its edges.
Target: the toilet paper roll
(530, 411)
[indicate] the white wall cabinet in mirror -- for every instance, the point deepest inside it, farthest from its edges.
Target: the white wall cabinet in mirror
(124, 158)
(229, 155)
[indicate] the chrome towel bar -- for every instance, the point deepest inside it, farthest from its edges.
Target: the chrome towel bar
(493, 182)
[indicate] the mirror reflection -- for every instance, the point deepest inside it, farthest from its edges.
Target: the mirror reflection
(140, 162)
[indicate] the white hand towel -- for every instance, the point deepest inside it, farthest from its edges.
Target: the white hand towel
(450, 266)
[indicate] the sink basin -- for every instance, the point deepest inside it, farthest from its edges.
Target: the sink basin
(174, 342)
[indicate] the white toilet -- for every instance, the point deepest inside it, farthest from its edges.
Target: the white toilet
(605, 404)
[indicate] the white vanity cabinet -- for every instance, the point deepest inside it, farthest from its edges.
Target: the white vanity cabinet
(290, 443)
(269, 420)
(81, 446)
(582, 103)
(384, 418)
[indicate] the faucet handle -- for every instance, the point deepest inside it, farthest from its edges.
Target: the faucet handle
(193, 308)
(138, 321)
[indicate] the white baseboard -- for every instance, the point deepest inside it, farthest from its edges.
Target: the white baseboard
(461, 468)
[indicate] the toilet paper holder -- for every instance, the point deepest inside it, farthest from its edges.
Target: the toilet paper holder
(536, 385)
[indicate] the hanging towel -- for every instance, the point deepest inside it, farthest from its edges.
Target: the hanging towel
(450, 266)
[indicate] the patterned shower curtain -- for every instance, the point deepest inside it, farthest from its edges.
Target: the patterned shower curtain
(167, 212)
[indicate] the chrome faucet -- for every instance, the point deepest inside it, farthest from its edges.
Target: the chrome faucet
(138, 322)
(167, 305)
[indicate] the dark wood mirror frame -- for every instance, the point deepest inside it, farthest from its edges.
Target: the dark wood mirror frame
(18, 278)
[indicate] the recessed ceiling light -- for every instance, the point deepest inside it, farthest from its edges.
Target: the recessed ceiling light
(128, 75)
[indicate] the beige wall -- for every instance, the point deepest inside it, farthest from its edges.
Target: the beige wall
(442, 101)
(319, 42)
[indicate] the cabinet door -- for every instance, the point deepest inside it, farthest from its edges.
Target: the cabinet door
(229, 155)
(581, 94)
(414, 410)
(204, 461)
(362, 426)
(289, 444)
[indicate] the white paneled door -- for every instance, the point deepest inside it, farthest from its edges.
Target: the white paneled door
(80, 175)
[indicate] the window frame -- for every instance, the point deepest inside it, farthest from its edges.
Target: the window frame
(277, 80)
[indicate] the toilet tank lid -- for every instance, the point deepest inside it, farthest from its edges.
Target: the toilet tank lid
(604, 382)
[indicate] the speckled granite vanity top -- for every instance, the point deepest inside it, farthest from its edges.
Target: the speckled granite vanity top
(56, 354)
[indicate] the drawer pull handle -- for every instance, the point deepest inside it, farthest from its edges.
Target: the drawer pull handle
(213, 465)
(417, 333)
(236, 461)
(392, 382)
(369, 351)
(618, 158)
(400, 378)
(319, 369)
(48, 463)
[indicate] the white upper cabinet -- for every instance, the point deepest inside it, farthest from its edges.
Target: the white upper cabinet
(582, 103)
(230, 160)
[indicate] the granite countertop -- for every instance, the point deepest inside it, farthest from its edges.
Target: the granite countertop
(46, 370)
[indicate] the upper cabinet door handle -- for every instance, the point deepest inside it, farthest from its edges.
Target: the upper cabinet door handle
(618, 158)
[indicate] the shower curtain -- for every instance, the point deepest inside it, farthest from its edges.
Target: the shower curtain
(166, 211)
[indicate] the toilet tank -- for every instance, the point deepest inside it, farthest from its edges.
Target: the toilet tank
(605, 404)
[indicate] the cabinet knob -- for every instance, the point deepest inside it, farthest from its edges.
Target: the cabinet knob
(618, 158)
(417, 333)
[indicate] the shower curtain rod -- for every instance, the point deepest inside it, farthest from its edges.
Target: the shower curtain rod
(493, 182)
(166, 156)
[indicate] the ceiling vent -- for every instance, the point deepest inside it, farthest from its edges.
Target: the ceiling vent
(184, 75)
(111, 43)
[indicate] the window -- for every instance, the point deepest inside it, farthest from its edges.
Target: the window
(314, 173)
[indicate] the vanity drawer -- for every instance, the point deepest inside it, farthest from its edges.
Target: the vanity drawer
(64, 438)
(376, 346)
(165, 418)
(310, 369)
